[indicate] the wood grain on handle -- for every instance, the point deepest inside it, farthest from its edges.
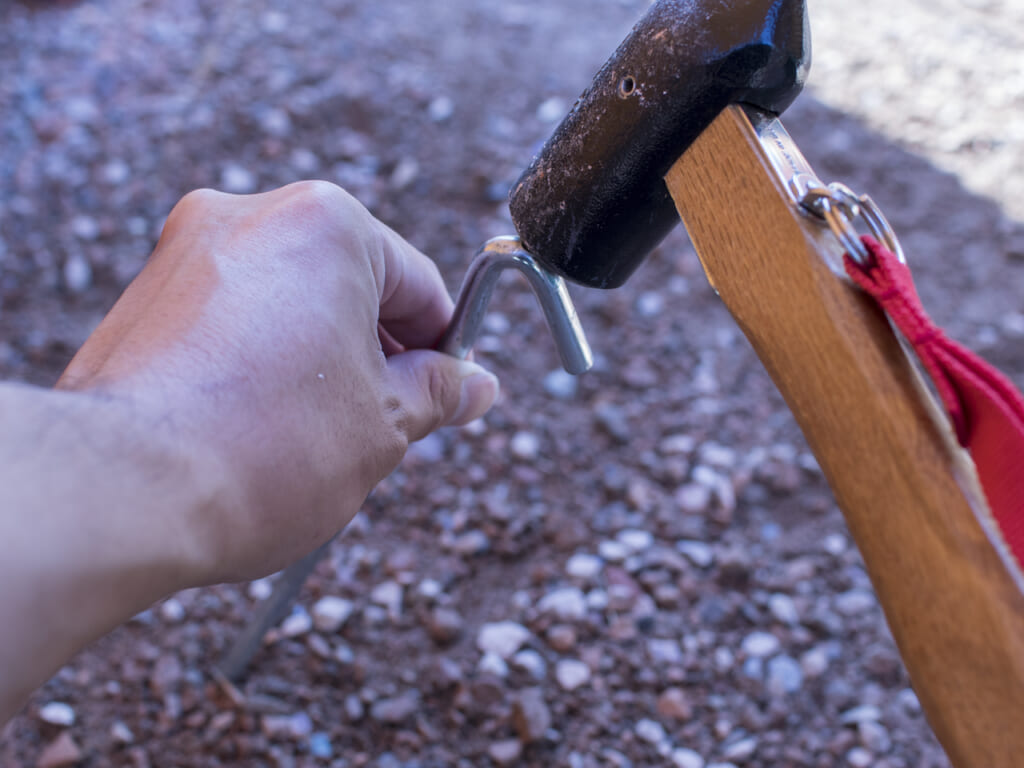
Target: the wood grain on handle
(954, 602)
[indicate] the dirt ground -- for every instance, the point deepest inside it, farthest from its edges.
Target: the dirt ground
(653, 541)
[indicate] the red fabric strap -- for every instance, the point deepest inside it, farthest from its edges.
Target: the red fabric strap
(986, 410)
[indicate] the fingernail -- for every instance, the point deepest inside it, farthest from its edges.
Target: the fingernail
(478, 392)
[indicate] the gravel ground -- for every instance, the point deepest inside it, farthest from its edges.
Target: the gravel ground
(641, 567)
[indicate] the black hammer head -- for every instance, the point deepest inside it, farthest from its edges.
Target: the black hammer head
(593, 202)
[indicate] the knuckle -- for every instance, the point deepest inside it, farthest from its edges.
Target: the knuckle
(322, 201)
(194, 204)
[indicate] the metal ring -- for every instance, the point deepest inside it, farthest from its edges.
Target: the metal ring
(839, 206)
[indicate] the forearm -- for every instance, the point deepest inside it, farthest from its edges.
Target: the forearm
(98, 517)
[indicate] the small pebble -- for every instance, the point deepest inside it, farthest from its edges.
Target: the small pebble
(297, 624)
(784, 675)
(567, 604)
(783, 608)
(584, 566)
(532, 663)
(121, 733)
(561, 384)
(865, 713)
(760, 644)
(493, 664)
(440, 109)
(57, 713)
(613, 551)
(697, 552)
(505, 752)
(260, 589)
(571, 674)
(85, 227)
(635, 540)
(330, 613)
(858, 757)
(741, 750)
(172, 611)
(686, 758)
(650, 731)
(62, 751)
(503, 638)
(551, 110)
(320, 745)
(525, 446)
(77, 273)
(237, 180)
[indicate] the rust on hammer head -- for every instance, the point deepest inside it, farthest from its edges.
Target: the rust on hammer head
(593, 202)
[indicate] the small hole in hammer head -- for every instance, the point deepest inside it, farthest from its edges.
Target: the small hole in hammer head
(626, 86)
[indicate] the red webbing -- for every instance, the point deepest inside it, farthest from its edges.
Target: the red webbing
(986, 410)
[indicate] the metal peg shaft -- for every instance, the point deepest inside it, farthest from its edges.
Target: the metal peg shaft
(491, 260)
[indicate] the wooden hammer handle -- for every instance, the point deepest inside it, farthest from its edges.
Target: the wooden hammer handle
(953, 599)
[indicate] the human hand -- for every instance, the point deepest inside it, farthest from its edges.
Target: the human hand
(283, 340)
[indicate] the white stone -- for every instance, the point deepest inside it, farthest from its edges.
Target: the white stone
(493, 663)
(57, 713)
(405, 173)
(697, 552)
(121, 733)
(116, 172)
(693, 498)
(260, 589)
(686, 758)
(717, 455)
(304, 160)
(636, 539)
(561, 384)
(613, 551)
(741, 750)
(429, 588)
(532, 663)
(783, 608)
(597, 599)
(551, 110)
(814, 662)
(298, 623)
(674, 445)
(330, 613)
(664, 651)
(274, 22)
(760, 645)
(172, 611)
(525, 446)
(584, 566)
(571, 674)
(855, 602)
(862, 714)
(77, 273)
(389, 594)
(440, 109)
(650, 731)
(650, 304)
(834, 544)
(237, 180)
(858, 757)
(502, 638)
(567, 603)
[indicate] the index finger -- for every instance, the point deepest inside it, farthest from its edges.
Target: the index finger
(415, 307)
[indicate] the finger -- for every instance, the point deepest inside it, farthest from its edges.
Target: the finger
(415, 306)
(436, 390)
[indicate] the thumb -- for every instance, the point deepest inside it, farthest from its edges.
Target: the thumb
(437, 390)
